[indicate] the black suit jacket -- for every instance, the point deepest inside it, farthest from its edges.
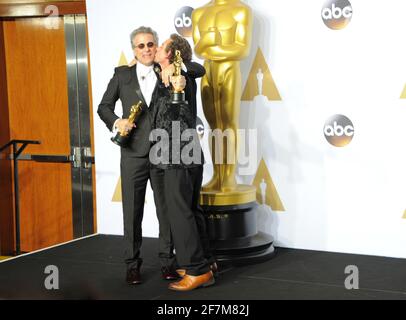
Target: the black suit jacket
(124, 86)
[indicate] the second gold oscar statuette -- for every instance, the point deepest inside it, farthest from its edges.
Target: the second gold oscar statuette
(122, 138)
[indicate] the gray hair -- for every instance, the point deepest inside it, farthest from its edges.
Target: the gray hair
(140, 30)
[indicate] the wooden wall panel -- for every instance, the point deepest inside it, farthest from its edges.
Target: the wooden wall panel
(26, 8)
(37, 94)
(37, 84)
(6, 184)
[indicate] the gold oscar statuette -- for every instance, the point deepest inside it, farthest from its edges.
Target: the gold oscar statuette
(178, 95)
(177, 63)
(122, 138)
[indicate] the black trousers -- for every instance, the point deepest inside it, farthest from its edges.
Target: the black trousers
(135, 173)
(182, 189)
(199, 216)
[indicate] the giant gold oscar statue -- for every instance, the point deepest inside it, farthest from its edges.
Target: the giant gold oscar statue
(222, 31)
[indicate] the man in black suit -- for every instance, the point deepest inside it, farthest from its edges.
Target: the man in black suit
(132, 84)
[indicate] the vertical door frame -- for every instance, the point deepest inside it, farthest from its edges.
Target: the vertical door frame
(79, 122)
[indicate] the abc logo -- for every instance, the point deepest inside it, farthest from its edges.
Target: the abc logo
(183, 21)
(200, 127)
(337, 14)
(339, 130)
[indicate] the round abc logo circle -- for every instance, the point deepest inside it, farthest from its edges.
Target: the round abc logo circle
(339, 130)
(183, 21)
(199, 127)
(336, 14)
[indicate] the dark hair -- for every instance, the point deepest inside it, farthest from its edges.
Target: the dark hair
(181, 44)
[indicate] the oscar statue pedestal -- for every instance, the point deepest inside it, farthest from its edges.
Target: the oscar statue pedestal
(232, 226)
(178, 98)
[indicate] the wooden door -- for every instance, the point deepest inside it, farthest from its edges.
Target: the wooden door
(42, 106)
(38, 110)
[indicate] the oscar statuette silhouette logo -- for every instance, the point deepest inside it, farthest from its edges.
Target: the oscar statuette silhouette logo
(267, 194)
(260, 81)
(260, 78)
(263, 188)
(122, 138)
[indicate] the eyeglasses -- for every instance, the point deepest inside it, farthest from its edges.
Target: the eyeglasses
(142, 45)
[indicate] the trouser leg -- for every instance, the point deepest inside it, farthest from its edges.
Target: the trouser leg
(200, 219)
(179, 185)
(166, 256)
(134, 177)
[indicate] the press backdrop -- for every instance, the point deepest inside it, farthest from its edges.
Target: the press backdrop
(324, 87)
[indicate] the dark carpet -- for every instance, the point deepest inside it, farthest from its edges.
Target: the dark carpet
(92, 268)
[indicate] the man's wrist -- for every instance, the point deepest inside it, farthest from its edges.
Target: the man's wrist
(115, 129)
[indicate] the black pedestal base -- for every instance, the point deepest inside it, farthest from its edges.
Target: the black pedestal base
(120, 140)
(234, 236)
(178, 98)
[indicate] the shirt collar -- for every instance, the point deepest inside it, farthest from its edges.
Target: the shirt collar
(143, 70)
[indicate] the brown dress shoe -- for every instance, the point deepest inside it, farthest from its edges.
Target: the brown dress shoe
(213, 267)
(192, 282)
(181, 272)
(133, 276)
(169, 274)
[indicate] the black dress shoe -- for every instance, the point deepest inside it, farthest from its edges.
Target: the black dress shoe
(134, 276)
(169, 273)
(214, 268)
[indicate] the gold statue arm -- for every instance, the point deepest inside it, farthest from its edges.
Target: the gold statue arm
(239, 49)
(209, 45)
